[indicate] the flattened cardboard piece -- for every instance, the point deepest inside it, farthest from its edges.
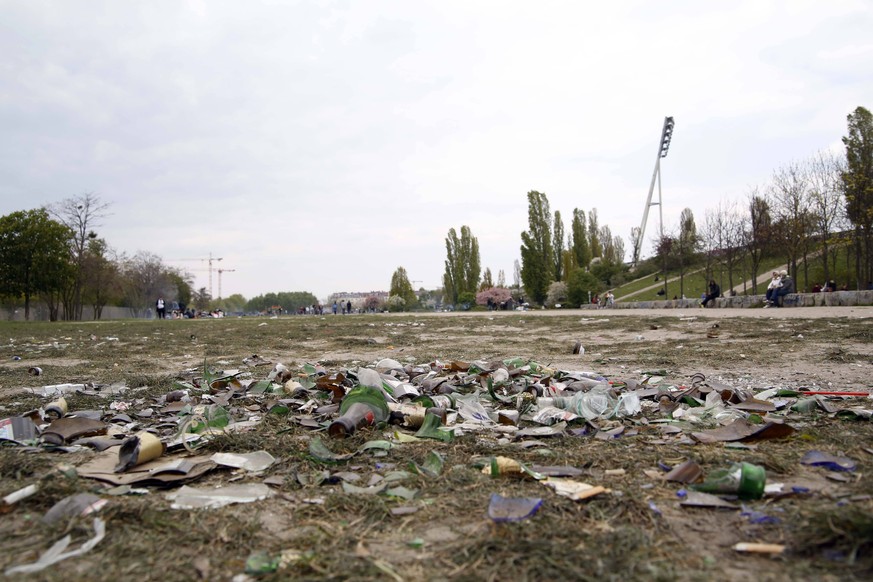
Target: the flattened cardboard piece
(743, 430)
(699, 499)
(755, 405)
(159, 471)
(68, 428)
(687, 472)
(17, 429)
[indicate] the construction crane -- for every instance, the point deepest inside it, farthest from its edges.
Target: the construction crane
(208, 260)
(220, 271)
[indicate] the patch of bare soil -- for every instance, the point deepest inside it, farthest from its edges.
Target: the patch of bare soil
(434, 526)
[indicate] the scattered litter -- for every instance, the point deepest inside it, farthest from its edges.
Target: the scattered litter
(830, 462)
(757, 548)
(745, 480)
(22, 493)
(35, 371)
(707, 500)
(575, 490)
(687, 472)
(58, 551)
(75, 505)
(504, 509)
(18, 429)
(139, 449)
(257, 461)
(192, 498)
(60, 390)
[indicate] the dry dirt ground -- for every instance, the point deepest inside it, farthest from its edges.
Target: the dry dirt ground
(637, 530)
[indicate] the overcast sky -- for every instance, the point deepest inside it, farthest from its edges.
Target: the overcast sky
(319, 146)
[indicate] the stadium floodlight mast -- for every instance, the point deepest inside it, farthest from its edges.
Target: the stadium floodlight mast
(663, 148)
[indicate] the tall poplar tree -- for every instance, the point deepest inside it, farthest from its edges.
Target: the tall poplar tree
(537, 260)
(463, 266)
(558, 245)
(579, 233)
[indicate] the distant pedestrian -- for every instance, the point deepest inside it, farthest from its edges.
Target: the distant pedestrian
(334, 307)
(349, 307)
(161, 308)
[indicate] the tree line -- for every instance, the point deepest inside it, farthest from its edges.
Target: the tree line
(806, 212)
(54, 257)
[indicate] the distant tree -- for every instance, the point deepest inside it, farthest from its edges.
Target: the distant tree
(558, 245)
(144, 279)
(824, 171)
(234, 303)
(579, 284)
(557, 294)
(201, 299)
(637, 242)
(594, 242)
(758, 232)
(501, 278)
(687, 244)
(463, 265)
(373, 303)
(182, 284)
(486, 283)
(401, 287)
(81, 214)
(580, 246)
(537, 267)
(568, 263)
(857, 181)
(100, 277)
(791, 204)
(516, 274)
(497, 295)
(33, 255)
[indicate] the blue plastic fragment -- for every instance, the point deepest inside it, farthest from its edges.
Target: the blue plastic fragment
(831, 462)
(683, 493)
(654, 507)
(757, 516)
(502, 509)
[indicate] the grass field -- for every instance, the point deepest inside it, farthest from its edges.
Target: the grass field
(437, 528)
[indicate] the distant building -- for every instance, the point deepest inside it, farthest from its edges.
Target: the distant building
(356, 297)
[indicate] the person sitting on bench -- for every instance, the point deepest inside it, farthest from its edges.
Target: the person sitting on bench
(714, 291)
(786, 288)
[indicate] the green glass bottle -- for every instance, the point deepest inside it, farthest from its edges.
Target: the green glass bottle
(744, 480)
(362, 406)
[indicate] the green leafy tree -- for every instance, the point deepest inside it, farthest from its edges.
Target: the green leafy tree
(687, 245)
(34, 256)
(858, 186)
(487, 281)
(537, 260)
(579, 284)
(594, 242)
(289, 301)
(581, 248)
(234, 303)
(463, 265)
(401, 287)
(101, 284)
(558, 245)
